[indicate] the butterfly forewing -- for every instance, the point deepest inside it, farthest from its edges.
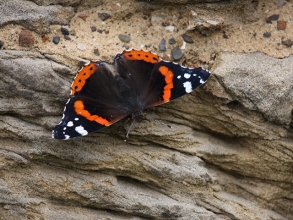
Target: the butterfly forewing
(170, 81)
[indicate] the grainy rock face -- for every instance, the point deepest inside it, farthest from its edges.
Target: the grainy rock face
(228, 155)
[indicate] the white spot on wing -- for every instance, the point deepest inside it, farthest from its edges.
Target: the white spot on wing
(187, 75)
(76, 119)
(79, 129)
(66, 136)
(201, 81)
(179, 77)
(188, 87)
(70, 124)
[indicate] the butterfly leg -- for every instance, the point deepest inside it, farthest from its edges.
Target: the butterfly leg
(126, 137)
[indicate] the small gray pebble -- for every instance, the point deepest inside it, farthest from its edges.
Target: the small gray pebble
(273, 17)
(128, 16)
(66, 37)
(176, 53)
(56, 40)
(81, 46)
(148, 45)
(267, 35)
(93, 28)
(187, 39)
(162, 45)
(288, 43)
(97, 52)
(104, 16)
(281, 3)
(124, 38)
(172, 41)
(64, 31)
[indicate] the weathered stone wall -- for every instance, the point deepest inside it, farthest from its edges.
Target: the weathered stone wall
(229, 153)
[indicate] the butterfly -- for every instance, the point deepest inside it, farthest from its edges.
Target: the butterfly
(101, 97)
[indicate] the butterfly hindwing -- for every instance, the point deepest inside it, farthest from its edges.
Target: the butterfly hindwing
(72, 124)
(135, 66)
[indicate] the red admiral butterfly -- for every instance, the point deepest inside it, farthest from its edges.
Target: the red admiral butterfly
(100, 98)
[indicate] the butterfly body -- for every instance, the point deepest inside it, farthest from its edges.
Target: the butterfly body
(100, 97)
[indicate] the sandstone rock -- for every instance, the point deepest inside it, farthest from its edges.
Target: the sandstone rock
(145, 181)
(265, 80)
(227, 156)
(33, 17)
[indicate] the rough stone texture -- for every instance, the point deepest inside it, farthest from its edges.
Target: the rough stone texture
(32, 16)
(269, 90)
(228, 155)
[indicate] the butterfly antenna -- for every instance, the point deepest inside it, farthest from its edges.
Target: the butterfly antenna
(126, 137)
(169, 126)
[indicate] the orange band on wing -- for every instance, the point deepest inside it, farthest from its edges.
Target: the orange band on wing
(82, 76)
(79, 109)
(141, 55)
(165, 71)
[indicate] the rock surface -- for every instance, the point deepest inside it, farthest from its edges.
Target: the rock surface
(228, 155)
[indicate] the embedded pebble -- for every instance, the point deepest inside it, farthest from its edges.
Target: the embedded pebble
(100, 31)
(273, 17)
(281, 25)
(81, 46)
(148, 45)
(66, 37)
(56, 40)
(93, 28)
(172, 41)
(162, 45)
(45, 38)
(267, 35)
(104, 16)
(158, 16)
(288, 43)
(72, 33)
(183, 46)
(187, 39)
(64, 31)
(97, 52)
(26, 39)
(170, 28)
(225, 35)
(176, 53)
(129, 15)
(124, 38)
(1, 44)
(281, 3)
(82, 16)
(165, 23)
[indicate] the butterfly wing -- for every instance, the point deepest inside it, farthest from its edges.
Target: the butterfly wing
(156, 81)
(136, 66)
(96, 102)
(170, 81)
